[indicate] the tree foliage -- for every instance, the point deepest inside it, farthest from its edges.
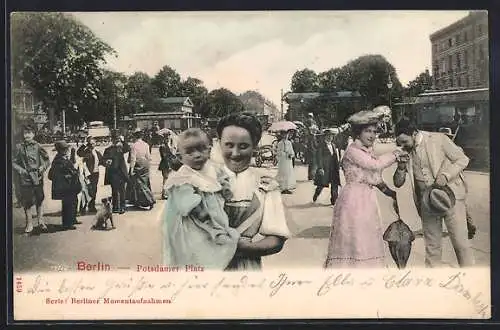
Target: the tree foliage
(221, 102)
(369, 75)
(59, 58)
(167, 82)
(305, 80)
(419, 85)
(194, 89)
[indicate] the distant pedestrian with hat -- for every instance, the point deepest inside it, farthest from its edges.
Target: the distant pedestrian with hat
(93, 159)
(116, 171)
(285, 155)
(328, 172)
(139, 192)
(66, 184)
(165, 166)
(435, 168)
(30, 163)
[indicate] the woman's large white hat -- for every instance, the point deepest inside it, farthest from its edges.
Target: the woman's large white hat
(365, 117)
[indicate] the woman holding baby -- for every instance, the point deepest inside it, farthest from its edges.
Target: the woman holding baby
(222, 217)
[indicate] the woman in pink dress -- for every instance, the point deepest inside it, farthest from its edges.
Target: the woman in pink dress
(356, 235)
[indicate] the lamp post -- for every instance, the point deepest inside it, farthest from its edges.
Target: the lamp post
(389, 86)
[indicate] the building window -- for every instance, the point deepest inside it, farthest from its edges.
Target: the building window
(457, 39)
(482, 75)
(481, 52)
(450, 42)
(451, 82)
(458, 61)
(466, 36)
(450, 63)
(443, 67)
(467, 81)
(466, 55)
(459, 81)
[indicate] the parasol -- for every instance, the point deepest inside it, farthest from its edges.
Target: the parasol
(299, 124)
(165, 131)
(399, 236)
(282, 126)
(383, 110)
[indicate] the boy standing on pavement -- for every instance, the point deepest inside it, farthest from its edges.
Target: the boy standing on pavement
(30, 162)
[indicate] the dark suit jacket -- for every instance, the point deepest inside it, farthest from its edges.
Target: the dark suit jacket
(64, 178)
(88, 157)
(329, 163)
(118, 168)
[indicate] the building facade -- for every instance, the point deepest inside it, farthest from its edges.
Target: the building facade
(177, 114)
(460, 57)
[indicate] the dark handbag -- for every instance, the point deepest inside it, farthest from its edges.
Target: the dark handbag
(175, 162)
(318, 176)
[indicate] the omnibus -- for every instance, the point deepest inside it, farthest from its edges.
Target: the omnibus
(463, 113)
(99, 131)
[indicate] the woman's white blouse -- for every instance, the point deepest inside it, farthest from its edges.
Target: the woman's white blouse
(243, 186)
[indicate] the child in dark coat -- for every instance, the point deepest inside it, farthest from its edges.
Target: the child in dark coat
(65, 184)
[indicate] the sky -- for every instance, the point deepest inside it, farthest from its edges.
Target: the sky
(261, 50)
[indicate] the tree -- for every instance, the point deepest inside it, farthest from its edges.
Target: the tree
(194, 88)
(305, 80)
(327, 81)
(370, 75)
(221, 102)
(253, 101)
(167, 82)
(419, 85)
(140, 91)
(59, 58)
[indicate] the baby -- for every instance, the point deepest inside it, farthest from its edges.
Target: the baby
(196, 228)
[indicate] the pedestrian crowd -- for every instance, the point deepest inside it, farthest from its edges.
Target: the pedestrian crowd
(74, 175)
(227, 216)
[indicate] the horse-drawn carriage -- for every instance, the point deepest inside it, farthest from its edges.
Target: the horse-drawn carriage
(266, 153)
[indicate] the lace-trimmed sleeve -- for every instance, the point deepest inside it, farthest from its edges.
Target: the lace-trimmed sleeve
(364, 160)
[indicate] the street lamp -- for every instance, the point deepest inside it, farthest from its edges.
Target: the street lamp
(389, 86)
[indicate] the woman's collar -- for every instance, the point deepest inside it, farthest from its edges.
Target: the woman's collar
(360, 145)
(232, 174)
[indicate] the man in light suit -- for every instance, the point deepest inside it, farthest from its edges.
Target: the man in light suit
(435, 159)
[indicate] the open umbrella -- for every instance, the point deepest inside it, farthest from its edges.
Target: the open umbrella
(383, 110)
(165, 131)
(399, 236)
(282, 126)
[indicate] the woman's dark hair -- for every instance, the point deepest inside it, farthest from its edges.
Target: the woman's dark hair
(404, 126)
(244, 120)
(357, 129)
(138, 134)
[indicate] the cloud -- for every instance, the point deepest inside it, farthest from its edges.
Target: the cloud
(262, 50)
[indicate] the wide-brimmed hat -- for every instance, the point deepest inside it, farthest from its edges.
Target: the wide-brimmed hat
(438, 199)
(61, 145)
(28, 128)
(365, 117)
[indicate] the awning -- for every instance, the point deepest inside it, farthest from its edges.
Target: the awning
(477, 96)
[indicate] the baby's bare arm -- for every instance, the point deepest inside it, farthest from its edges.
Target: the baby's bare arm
(199, 212)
